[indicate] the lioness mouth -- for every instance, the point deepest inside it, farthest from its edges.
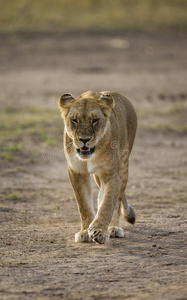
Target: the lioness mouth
(85, 151)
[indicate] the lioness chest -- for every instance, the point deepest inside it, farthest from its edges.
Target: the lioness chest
(92, 166)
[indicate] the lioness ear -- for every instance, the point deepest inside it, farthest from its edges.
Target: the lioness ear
(107, 100)
(65, 100)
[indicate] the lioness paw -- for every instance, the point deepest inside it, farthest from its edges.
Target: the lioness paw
(82, 237)
(115, 231)
(97, 234)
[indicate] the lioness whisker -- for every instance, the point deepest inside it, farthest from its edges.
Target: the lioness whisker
(69, 145)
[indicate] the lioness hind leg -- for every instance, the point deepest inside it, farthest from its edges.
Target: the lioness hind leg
(115, 229)
(127, 210)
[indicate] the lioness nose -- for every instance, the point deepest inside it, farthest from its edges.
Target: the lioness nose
(84, 140)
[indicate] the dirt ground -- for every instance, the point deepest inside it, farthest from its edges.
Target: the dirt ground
(38, 256)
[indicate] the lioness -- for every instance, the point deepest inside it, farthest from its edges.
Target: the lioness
(98, 137)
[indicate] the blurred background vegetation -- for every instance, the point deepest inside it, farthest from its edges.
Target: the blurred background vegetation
(26, 125)
(85, 15)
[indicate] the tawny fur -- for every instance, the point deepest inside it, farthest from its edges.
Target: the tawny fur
(113, 138)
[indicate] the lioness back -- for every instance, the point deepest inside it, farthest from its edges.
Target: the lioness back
(124, 116)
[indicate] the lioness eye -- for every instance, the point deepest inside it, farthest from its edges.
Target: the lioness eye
(95, 121)
(74, 121)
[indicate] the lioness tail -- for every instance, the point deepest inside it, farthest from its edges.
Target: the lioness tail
(128, 211)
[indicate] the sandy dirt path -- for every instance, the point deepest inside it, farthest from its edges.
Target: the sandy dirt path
(38, 256)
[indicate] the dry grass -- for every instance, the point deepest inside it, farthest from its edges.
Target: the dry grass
(16, 123)
(22, 128)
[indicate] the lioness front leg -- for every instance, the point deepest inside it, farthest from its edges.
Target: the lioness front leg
(81, 184)
(115, 228)
(98, 229)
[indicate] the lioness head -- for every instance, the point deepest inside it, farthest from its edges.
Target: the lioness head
(86, 119)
